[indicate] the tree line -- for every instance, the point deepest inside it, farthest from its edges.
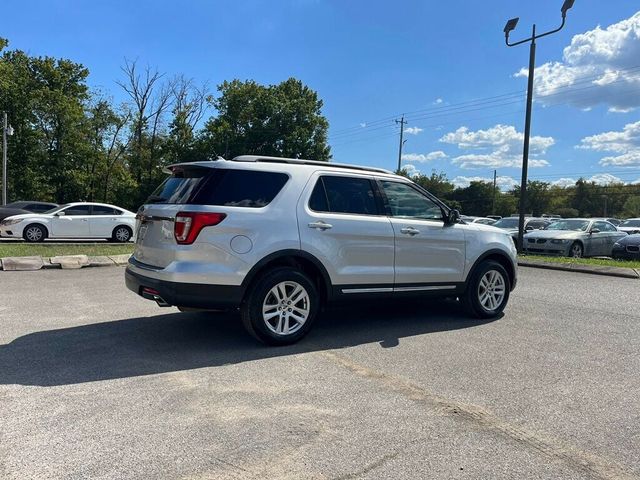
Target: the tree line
(584, 199)
(74, 143)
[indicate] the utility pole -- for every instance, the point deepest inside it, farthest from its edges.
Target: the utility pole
(508, 28)
(402, 123)
(605, 205)
(5, 130)
(493, 204)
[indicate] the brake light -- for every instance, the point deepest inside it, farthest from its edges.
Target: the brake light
(188, 225)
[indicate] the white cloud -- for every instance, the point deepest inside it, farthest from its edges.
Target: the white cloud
(626, 143)
(413, 130)
(503, 182)
(363, 125)
(421, 157)
(411, 170)
(497, 147)
(601, 62)
(605, 179)
(438, 101)
(564, 182)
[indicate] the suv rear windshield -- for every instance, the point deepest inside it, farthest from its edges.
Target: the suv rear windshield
(216, 186)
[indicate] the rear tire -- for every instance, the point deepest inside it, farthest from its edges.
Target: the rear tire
(487, 291)
(34, 233)
(280, 307)
(121, 234)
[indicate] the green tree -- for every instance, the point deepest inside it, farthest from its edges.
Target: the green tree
(476, 199)
(437, 184)
(632, 206)
(281, 120)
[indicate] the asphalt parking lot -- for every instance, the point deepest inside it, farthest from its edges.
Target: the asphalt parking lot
(98, 383)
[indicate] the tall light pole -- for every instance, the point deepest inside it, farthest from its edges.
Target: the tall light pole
(511, 25)
(6, 130)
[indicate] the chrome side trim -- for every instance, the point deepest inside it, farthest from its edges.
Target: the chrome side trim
(424, 288)
(367, 290)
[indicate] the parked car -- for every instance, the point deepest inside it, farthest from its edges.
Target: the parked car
(481, 220)
(280, 238)
(630, 226)
(73, 220)
(627, 248)
(510, 225)
(551, 217)
(574, 237)
(614, 221)
(494, 217)
(18, 208)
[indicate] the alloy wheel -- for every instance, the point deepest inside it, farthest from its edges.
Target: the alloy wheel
(122, 234)
(492, 290)
(34, 234)
(286, 308)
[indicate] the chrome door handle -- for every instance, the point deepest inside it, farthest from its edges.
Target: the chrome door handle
(410, 231)
(320, 225)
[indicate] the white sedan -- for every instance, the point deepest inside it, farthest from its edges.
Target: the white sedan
(73, 220)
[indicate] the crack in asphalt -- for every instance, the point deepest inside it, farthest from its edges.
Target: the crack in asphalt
(586, 463)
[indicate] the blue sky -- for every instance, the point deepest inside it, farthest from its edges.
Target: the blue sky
(371, 61)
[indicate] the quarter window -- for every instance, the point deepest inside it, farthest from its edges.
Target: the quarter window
(407, 202)
(337, 194)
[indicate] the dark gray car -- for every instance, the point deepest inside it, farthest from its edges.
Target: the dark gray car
(20, 208)
(574, 237)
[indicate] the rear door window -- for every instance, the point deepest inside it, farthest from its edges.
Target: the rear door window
(338, 194)
(100, 210)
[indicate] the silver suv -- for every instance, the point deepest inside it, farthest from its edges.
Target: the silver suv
(280, 238)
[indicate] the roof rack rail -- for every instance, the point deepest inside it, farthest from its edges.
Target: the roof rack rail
(299, 161)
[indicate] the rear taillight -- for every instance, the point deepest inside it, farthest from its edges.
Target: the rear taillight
(188, 225)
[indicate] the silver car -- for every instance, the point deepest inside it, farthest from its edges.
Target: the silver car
(574, 237)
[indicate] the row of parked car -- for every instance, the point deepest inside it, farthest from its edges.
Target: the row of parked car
(573, 237)
(37, 221)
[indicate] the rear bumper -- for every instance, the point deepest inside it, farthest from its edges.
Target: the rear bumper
(191, 295)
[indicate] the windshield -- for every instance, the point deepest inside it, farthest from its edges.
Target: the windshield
(630, 223)
(507, 223)
(57, 209)
(575, 225)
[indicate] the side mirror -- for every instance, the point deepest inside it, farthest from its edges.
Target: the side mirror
(453, 217)
(59, 214)
(595, 230)
(529, 228)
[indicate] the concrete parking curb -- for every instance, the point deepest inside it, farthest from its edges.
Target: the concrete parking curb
(575, 267)
(62, 262)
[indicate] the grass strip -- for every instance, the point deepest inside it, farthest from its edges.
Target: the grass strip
(605, 262)
(44, 250)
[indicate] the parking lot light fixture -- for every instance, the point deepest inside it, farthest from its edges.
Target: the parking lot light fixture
(509, 27)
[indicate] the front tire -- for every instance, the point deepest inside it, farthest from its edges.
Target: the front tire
(576, 250)
(34, 233)
(488, 290)
(280, 308)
